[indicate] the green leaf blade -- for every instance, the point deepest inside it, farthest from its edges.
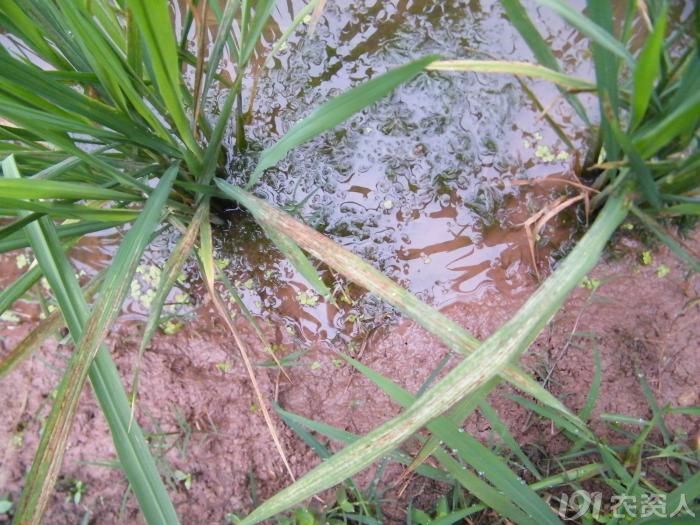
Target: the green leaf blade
(91, 358)
(46, 189)
(647, 69)
(153, 20)
(595, 32)
(335, 111)
(543, 53)
(513, 68)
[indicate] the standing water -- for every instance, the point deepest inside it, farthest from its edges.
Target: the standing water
(419, 184)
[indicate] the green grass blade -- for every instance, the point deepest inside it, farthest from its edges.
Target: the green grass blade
(513, 68)
(594, 390)
(18, 288)
(477, 455)
(72, 211)
(465, 478)
(298, 19)
(664, 237)
(606, 65)
(547, 413)
(88, 331)
(640, 171)
(585, 25)
(109, 16)
(89, 37)
(49, 189)
(299, 260)
(153, 20)
(521, 21)
(686, 208)
(48, 17)
(41, 332)
(40, 121)
(211, 155)
(31, 33)
(657, 412)
(343, 436)
(491, 357)
(499, 426)
(682, 179)
(263, 8)
(543, 53)
(109, 67)
(103, 168)
(457, 516)
(311, 442)
(119, 275)
(306, 436)
(66, 231)
(688, 491)
(26, 81)
(335, 111)
(690, 79)
(169, 275)
(63, 167)
(673, 122)
(647, 69)
(16, 226)
(493, 499)
(222, 36)
(457, 415)
(134, 45)
(243, 29)
(206, 248)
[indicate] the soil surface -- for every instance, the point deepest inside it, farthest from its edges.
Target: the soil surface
(205, 425)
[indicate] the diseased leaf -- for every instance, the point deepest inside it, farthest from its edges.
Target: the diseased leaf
(88, 331)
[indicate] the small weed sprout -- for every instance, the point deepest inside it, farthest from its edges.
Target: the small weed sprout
(183, 477)
(77, 490)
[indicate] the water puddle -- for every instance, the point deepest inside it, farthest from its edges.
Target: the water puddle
(418, 185)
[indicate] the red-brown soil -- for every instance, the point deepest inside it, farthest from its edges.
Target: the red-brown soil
(206, 421)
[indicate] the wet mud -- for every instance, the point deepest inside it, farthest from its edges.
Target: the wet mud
(203, 422)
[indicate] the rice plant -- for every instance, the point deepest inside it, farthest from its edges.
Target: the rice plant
(103, 124)
(649, 115)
